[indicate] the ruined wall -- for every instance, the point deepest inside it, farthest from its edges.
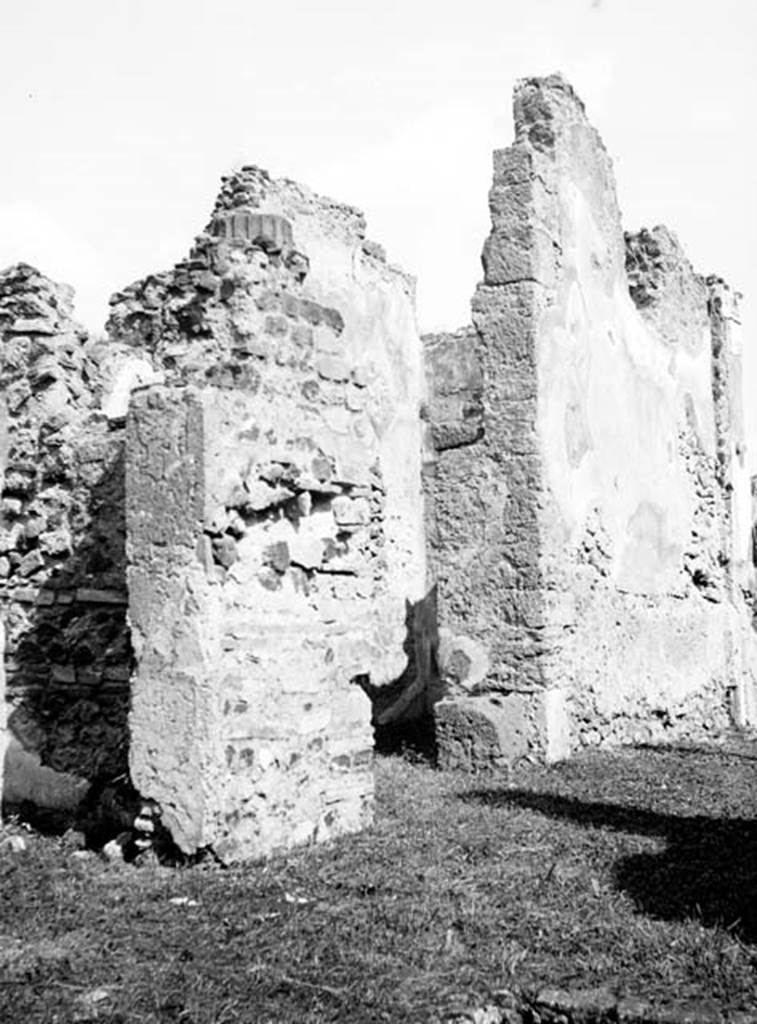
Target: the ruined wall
(606, 546)
(349, 272)
(274, 563)
(62, 586)
(586, 517)
(462, 492)
(245, 305)
(256, 581)
(3, 704)
(197, 324)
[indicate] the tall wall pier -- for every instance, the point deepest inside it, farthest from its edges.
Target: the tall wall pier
(325, 343)
(274, 521)
(285, 282)
(592, 559)
(257, 574)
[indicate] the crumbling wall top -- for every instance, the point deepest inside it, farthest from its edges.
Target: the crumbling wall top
(540, 104)
(665, 289)
(253, 187)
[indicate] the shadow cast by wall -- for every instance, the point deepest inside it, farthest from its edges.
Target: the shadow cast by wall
(69, 658)
(403, 717)
(737, 750)
(708, 870)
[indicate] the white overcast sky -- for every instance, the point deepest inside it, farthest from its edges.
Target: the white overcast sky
(119, 116)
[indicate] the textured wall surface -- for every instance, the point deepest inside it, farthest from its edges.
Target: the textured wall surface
(256, 581)
(274, 565)
(3, 702)
(376, 300)
(3, 714)
(333, 334)
(602, 580)
(539, 523)
(314, 288)
(62, 585)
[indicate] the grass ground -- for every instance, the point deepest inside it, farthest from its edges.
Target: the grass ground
(634, 871)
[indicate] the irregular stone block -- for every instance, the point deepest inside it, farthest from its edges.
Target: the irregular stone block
(463, 663)
(244, 225)
(474, 733)
(28, 325)
(27, 779)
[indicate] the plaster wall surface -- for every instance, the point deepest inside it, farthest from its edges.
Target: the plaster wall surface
(610, 545)
(350, 273)
(249, 725)
(302, 560)
(194, 314)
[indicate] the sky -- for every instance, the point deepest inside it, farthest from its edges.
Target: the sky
(118, 118)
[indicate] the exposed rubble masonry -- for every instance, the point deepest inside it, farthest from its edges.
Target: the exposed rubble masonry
(62, 532)
(274, 519)
(256, 579)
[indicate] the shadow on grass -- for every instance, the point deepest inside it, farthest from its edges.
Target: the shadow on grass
(708, 870)
(696, 750)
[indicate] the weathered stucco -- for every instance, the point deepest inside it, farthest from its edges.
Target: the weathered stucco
(607, 489)
(194, 322)
(376, 300)
(270, 583)
(249, 725)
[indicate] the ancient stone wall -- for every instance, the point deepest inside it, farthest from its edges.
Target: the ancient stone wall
(350, 273)
(272, 583)
(314, 288)
(574, 571)
(246, 311)
(3, 700)
(62, 586)
(607, 547)
(257, 575)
